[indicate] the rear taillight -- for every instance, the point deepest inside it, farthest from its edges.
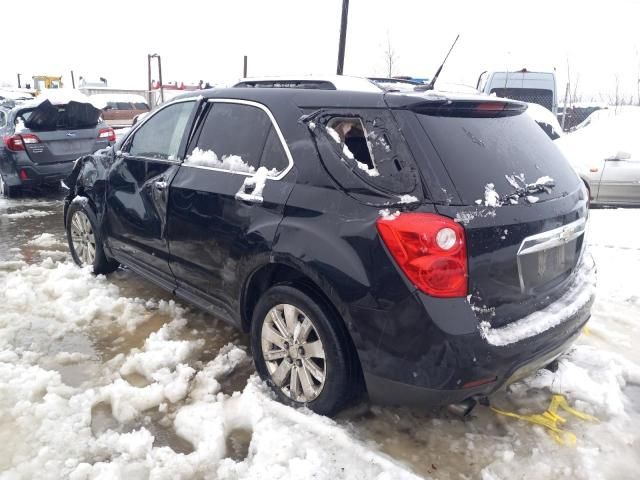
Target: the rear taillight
(430, 249)
(108, 134)
(16, 143)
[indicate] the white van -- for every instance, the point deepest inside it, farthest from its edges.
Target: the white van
(531, 87)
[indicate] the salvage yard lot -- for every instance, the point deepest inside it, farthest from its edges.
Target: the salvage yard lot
(108, 377)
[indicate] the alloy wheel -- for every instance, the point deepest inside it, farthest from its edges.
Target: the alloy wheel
(293, 353)
(83, 238)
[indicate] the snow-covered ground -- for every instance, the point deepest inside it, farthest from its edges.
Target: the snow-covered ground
(109, 378)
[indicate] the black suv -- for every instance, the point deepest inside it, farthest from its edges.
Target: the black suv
(425, 248)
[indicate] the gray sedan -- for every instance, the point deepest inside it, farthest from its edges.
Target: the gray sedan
(42, 138)
(606, 155)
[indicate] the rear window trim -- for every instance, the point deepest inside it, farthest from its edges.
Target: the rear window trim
(274, 125)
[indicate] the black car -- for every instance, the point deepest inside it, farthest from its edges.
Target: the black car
(41, 140)
(426, 249)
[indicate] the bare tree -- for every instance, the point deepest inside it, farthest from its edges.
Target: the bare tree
(617, 92)
(576, 97)
(390, 57)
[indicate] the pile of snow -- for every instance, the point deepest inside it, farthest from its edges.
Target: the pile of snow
(252, 187)
(589, 146)
(44, 240)
(608, 112)
(47, 426)
(27, 214)
(408, 199)
(209, 158)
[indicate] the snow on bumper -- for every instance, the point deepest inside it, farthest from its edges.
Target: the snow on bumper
(581, 291)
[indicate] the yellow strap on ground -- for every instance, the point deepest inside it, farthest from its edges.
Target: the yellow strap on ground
(551, 420)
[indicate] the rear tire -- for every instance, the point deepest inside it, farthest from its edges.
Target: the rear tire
(303, 352)
(5, 190)
(85, 241)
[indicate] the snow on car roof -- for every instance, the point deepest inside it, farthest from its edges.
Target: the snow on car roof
(63, 96)
(340, 82)
(15, 95)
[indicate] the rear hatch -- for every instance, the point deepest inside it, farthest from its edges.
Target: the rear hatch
(522, 206)
(61, 133)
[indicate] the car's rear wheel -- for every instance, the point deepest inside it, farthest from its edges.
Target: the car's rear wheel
(5, 190)
(84, 239)
(302, 351)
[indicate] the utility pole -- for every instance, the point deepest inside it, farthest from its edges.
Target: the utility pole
(149, 57)
(343, 36)
(160, 78)
(73, 80)
(149, 99)
(19, 86)
(244, 70)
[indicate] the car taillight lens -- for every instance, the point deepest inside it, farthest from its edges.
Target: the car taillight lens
(107, 133)
(16, 143)
(430, 249)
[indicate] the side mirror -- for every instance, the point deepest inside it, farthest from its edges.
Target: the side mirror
(621, 155)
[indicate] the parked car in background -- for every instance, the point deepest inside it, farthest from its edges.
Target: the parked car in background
(120, 109)
(15, 96)
(523, 85)
(42, 138)
(606, 154)
(351, 235)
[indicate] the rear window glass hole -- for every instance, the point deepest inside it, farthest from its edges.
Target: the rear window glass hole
(350, 133)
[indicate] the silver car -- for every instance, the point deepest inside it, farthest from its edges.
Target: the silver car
(606, 155)
(41, 140)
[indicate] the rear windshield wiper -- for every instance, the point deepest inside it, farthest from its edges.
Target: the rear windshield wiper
(522, 189)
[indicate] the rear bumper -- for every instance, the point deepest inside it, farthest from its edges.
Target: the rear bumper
(37, 174)
(451, 366)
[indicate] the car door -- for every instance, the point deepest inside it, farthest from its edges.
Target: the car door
(226, 202)
(620, 181)
(137, 191)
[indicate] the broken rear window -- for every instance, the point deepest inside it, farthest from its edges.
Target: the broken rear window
(367, 144)
(73, 115)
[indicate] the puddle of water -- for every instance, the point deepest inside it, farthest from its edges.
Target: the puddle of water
(238, 442)
(102, 420)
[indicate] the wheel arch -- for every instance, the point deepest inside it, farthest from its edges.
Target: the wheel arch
(279, 272)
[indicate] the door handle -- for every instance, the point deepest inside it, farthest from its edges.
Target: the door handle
(161, 185)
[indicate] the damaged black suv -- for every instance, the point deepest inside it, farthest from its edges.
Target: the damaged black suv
(424, 248)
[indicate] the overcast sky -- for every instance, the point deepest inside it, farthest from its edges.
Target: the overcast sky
(207, 39)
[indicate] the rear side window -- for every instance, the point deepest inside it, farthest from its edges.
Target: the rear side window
(508, 152)
(368, 145)
(160, 136)
(238, 137)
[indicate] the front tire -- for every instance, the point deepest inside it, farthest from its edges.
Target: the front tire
(303, 351)
(85, 242)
